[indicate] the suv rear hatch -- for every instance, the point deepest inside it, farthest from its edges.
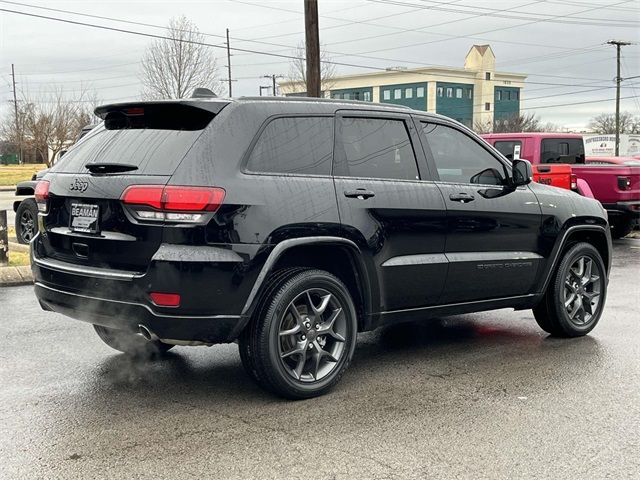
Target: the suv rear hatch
(141, 144)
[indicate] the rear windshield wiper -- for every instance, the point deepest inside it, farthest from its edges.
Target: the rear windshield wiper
(104, 167)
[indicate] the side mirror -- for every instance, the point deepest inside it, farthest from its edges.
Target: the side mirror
(522, 172)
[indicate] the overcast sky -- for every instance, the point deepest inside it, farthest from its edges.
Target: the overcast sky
(559, 44)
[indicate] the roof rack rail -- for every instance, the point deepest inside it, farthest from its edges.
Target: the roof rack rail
(324, 100)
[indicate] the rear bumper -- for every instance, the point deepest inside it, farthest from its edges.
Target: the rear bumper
(213, 292)
(631, 209)
(130, 316)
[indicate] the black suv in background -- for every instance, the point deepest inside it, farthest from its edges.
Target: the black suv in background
(289, 225)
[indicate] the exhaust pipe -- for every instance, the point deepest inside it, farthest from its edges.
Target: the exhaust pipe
(148, 335)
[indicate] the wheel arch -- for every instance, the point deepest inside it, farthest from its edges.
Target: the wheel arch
(595, 235)
(339, 256)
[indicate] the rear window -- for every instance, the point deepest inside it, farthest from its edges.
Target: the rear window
(562, 150)
(153, 140)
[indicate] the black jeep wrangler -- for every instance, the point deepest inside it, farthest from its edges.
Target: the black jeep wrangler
(290, 225)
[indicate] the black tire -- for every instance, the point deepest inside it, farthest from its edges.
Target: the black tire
(563, 317)
(26, 220)
(621, 227)
(130, 343)
(261, 344)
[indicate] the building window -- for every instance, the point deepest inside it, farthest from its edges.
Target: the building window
(509, 96)
(408, 93)
(356, 95)
(469, 93)
(449, 92)
(366, 96)
(440, 91)
(487, 76)
(458, 93)
(516, 94)
(386, 94)
(487, 106)
(499, 95)
(420, 92)
(397, 94)
(347, 96)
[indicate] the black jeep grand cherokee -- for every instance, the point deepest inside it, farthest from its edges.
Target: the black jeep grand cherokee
(290, 225)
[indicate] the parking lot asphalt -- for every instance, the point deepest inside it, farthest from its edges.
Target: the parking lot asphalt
(476, 396)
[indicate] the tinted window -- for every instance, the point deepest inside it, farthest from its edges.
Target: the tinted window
(507, 148)
(153, 151)
(294, 145)
(562, 150)
(460, 159)
(378, 148)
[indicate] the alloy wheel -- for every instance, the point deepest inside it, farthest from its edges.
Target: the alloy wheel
(312, 335)
(27, 226)
(582, 289)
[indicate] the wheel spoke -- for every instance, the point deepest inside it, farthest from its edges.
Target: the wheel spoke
(301, 349)
(570, 300)
(301, 363)
(323, 304)
(586, 274)
(291, 331)
(327, 327)
(577, 306)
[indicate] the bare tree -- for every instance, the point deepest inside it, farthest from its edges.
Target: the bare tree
(49, 123)
(173, 67)
(605, 123)
(523, 122)
(298, 68)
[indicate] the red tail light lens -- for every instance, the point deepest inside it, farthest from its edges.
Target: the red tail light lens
(574, 182)
(165, 299)
(41, 195)
(192, 199)
(150, 195)
(191, 202)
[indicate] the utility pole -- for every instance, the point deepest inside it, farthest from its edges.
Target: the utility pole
(619, 44)
(273, 78)
(312, 39)
(15, 107)
(229, 62)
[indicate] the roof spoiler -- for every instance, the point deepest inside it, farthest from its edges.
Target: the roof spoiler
(213, 105)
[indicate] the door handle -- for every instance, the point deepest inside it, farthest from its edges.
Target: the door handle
(461, 197)
(360, 193)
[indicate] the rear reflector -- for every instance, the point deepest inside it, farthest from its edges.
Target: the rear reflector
(41, 194)
(172, 198)
(165, 299)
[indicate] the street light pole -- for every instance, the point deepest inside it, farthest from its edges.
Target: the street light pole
(229, 62)
(619, 44)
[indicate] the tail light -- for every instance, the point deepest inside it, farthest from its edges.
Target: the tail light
(41, 195)
(172, 203)
(624, 183)
(574, 182)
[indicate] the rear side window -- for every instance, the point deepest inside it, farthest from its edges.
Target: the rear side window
(562, 150)
(302, 145)
(377, 148)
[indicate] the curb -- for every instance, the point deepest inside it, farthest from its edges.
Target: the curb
(15, 276)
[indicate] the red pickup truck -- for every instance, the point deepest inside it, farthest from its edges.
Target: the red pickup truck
(615, 183)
